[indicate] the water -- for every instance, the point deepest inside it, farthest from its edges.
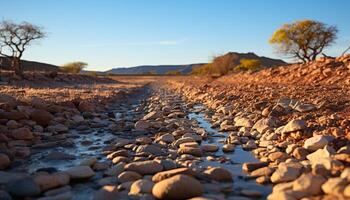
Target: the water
(239, 156)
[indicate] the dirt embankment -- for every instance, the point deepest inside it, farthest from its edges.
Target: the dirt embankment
(295, 118)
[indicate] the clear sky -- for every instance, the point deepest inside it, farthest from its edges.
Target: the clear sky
(118, 33)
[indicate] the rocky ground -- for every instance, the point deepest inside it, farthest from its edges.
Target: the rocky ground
(179, 138)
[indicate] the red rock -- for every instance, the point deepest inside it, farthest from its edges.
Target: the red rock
(13, 115)
(41, 117)
(22, 134)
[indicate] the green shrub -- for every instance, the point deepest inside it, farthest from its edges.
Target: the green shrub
(248, 64)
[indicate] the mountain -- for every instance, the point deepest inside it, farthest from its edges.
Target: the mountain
(156, 69)
(186, 69)
(28, 65)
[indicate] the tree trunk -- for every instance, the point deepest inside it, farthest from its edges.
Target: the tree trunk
(17, 66)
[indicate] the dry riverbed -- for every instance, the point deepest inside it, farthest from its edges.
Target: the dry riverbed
(175, 138)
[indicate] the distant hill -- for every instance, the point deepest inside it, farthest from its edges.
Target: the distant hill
(28, 65)
(186, 69)
(157, 69)
(265, 61)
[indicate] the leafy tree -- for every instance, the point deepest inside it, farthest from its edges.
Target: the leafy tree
(73, 67)
(248, 64)
(14, 39)
(304, 40)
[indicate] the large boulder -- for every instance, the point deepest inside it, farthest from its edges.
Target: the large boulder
(309, 183)
(285, 173)
(177, 187)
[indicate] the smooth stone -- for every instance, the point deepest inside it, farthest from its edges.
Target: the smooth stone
(169, 188)
(218, 174)
(295, 125)
(80, 172)
(309, 184)
(22, 134)
(144, 167)
(315, 143)
(167, 174)
(285, 173)
(209, 147)
(4, 161)
(128, 176)
(141, 187)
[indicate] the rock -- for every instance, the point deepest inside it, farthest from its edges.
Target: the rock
(58, 128)
(167, 138)
(115, 170)
(167, 174)
(150, 149)
(41, 117)
(80, 172)
(264, 124)
(48, 181)
(304, 107)
(85, 106)
(309, 184)
(315, 143)
(228, 148)
(142, 125)
(278, 156)
(61, 196)
(294, 125)
(152, 115)
(209, 147)
(127, 176)
(141, 187)
(180, 141)
(190, 150)
(143, 140)
(108, 192)
(144, 167)
(243, 122)
(300, 153)
(22, 134)
(169, 188)
(24, 187)
(249, 167)
(4, 161)
(251, 193)
(120, 159)
(218, 174)
(89, 161)
(285, 173)
(13, 115)
(121, 152)
(263, 171)
(334, 186)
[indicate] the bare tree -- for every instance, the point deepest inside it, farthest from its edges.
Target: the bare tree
(345, 51)
(14, 39)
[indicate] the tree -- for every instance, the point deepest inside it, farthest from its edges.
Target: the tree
(73, 67)
(304, 40)
(14, 39)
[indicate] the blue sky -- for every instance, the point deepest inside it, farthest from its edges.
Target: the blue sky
(118, 33)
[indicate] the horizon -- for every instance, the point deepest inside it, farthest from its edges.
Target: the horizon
(112, 34)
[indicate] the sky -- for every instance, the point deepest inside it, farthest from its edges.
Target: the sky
(121, 33)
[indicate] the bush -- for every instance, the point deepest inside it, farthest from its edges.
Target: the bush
(94, 74)
(219, 66)
(248, 64)
(73, 67)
